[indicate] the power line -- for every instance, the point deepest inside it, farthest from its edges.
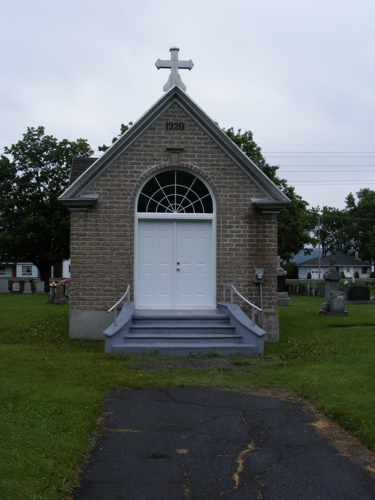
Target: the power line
(328, 170)
(349, 157)
(318, 152)
(344, 217)
(331, 183)
(324, 165)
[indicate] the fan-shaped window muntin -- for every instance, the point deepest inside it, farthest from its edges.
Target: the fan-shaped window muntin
(177, 192)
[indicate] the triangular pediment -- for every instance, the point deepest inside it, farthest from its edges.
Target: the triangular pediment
(272, 202)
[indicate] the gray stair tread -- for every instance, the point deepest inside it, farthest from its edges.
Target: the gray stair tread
(186, 349)
(178, 314)
(183, 336)
(169, 326)
(185, 345)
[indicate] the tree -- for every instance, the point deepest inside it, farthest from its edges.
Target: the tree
(331, 229)
(123, 129)
(360, 227)
(34, 226)
(350, 230)
(295, 222)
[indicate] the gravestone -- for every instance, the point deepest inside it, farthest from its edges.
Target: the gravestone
(52, 291)
(60, 291)
(67, 290)
(312, 287)
(40, 287)
(283, 299)
(282, 293)
(27, 288)
(16, 287)
(338, 304)
(334, 303)
(4, 286)
(358, 294)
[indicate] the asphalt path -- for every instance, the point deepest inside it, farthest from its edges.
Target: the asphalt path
(195, 443)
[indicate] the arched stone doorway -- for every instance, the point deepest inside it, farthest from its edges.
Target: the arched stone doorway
(175, 251)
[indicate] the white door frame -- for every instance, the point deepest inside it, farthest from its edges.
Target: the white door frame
(176, 217)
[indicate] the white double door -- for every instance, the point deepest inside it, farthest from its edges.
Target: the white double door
(175, 264)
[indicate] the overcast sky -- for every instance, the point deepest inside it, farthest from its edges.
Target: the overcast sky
(299, 74)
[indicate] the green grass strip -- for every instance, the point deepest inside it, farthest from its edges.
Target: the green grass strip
(52, 388)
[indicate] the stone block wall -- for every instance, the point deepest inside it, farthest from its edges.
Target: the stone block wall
(102, 248)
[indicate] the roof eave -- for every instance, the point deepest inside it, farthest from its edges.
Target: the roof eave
(269, 206)
(80, 203)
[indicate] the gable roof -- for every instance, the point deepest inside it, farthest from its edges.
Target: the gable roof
(274, 199)
(341, 260)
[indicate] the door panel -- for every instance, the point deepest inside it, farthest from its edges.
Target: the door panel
(155, 264)
(194, 252)
(175, 266)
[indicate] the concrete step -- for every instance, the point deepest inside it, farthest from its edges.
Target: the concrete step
(181, 338)
(182, 328)
(176, 317)
(181, 323)
(167, 349)
(184, 332)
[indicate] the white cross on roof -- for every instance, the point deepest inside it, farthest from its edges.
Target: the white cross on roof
(174, 64)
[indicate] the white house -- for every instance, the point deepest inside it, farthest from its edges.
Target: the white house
(348, 265)
(18, 270)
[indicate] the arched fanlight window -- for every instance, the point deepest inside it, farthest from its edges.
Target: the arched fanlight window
(175, 191)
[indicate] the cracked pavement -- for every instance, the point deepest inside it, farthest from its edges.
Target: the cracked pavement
(195, 443)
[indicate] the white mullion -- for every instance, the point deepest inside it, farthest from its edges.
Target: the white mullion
(174, 287)
(188, 189)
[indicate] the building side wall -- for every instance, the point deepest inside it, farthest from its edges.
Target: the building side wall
(102, 239)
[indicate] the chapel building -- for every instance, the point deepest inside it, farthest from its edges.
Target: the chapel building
(174, 210)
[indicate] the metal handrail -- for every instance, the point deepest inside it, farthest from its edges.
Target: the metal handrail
(126, 294)
(253, 306)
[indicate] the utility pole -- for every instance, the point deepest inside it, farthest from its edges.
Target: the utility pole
(319, 247)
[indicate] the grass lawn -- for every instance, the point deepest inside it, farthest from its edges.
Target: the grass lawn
(52, 388)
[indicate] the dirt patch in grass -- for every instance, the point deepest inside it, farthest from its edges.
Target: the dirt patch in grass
(342, 327)
(197, 363)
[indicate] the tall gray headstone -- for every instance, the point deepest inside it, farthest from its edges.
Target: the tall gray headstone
(40, 287)
(334, 303)
(4, 286)
(27, 288)
(282, 294)
(52, 291)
